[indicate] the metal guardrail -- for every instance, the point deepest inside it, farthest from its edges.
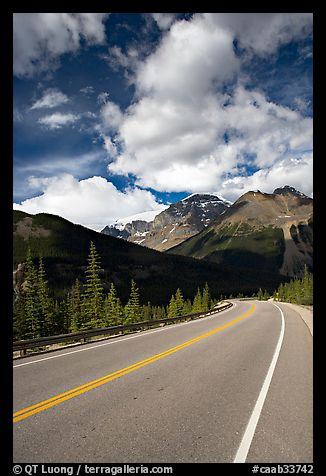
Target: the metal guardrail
(23, 345)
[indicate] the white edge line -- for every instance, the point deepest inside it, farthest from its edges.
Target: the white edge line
(141, 334)
(243, 449)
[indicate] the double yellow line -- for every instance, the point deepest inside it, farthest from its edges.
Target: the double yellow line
(74, 392)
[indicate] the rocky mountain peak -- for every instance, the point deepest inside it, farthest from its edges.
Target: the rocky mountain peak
(287, 190)
(174, 224)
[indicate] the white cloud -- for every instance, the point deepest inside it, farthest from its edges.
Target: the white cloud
(52, 97)
(87, 90)
(164, 20)
(295, 172)
(110, 147)
(58, 120)
(52, 164)
(190, 57)
(173, 136)
(103, 97)
(93, 202)
(263, 33)
(41, 38)
(111, 115)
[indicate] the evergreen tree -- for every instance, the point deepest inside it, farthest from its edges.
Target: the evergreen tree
(299, 291)
(93, 294)
(206, 300)
(158, 312)
(18, 318)
(30, 323)
(161, 312)
(187, 307)
(43, 304)
(132, 309)
(59, 312)
(307, 286)
(172, 308)
(112, 308)
(197, 304)
(75, 308)
(265, 295)
(147, 312)
(179, 302)
(260, 294)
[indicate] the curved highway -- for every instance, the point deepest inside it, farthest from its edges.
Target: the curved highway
(232, 387)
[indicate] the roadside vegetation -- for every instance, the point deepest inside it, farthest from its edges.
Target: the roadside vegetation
(297, 291)
(86, 305)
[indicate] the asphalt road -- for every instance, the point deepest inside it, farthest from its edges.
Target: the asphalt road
(182, 393)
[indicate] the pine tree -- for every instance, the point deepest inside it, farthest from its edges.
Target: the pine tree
(43, 304)
(197, 304)
(161, 313)
(30, 324)
(93, 294)
(132, 309)
(307, 285)
(75, 308)
(147, 312)
(112, 308)
(172, 308)
(265, 295)
(206, 300)
(18, 318)
(187, 307)
(59, 312)
(179, 302)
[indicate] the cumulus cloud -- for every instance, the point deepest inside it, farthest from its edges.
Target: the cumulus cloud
(41, 38)
(295, 172)
(52, 97)
(58, 120)
(93, 202)
(184, 133)
(111, 115)
(190, 57)
(263, 33)
(164, 20)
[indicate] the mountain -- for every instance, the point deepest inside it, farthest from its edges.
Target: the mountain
(259, 231)
(64, 247)
(131, 228)
(172, 226)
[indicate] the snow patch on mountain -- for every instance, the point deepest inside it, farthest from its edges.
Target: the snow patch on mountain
(143, 216)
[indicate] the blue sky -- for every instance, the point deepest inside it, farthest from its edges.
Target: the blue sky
(116, 114)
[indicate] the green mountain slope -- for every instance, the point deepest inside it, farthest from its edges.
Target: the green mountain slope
(262, 232)
(65, 247)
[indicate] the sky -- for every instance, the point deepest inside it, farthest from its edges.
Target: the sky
(115, 114)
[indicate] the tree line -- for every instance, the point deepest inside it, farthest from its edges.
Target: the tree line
(86, 306)
(297, 291)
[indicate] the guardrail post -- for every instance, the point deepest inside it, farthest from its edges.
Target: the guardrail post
(22, 352)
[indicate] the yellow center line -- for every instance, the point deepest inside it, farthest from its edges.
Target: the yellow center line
(74, 392)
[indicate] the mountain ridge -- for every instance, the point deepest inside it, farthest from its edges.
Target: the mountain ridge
(173, 225)
(64, 248)
(259, 229)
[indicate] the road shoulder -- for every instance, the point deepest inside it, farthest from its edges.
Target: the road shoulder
(305, 313)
